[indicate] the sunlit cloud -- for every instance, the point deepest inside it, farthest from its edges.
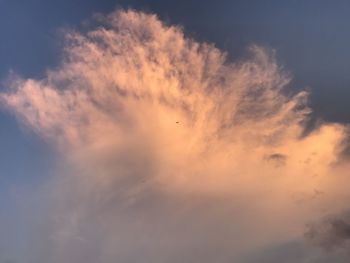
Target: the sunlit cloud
(175, 153)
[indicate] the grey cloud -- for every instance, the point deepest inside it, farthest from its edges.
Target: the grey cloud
(277, 159)
(330, 233)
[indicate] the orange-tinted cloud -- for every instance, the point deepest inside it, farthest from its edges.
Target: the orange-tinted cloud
(175, 148)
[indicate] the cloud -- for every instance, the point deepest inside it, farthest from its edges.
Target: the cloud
(173, 153)
(331, 232)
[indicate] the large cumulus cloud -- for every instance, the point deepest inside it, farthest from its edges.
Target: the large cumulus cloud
(175, 153)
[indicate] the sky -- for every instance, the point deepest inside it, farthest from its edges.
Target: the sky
(174, 131)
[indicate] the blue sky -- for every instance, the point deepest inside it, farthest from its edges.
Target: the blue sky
(311, 40)
(311, 37)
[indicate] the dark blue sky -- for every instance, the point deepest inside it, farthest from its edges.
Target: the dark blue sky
(312, 40)
(311, 37)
